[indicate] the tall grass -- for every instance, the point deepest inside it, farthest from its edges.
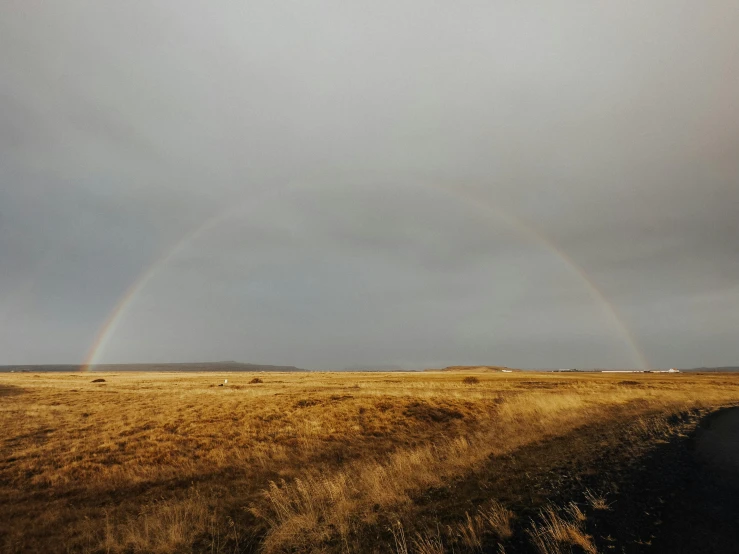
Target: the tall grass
(558, 533)
(308, 510)
(158, 463)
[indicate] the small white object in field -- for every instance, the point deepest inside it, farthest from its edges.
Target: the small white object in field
(226, 381)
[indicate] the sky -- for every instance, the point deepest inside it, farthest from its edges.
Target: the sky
(336, 184)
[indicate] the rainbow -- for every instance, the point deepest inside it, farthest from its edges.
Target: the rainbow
(536, 236)
(108, 329)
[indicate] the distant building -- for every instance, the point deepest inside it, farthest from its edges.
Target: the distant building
(671, 370)
(624, 371)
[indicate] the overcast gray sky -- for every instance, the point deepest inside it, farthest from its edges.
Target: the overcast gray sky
(330, 184)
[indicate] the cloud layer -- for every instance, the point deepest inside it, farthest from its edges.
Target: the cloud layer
(328, 185)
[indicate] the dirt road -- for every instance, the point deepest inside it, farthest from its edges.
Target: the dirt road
(717, 447)
(704, 516)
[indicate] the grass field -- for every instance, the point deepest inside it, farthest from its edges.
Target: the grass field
(331, 462)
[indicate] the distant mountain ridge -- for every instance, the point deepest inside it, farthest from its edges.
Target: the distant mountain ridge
(724, 369)
(185, 367)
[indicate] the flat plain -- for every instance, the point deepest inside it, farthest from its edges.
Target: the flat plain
(425, 462)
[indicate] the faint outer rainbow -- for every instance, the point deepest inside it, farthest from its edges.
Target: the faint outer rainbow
(107, 330)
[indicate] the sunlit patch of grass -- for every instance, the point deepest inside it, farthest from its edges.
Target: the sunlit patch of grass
(596, 501)
(558, 533)
(160, 462)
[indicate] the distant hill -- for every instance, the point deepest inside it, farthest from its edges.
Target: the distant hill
(725, 369)
(61, 368)
(194, 367)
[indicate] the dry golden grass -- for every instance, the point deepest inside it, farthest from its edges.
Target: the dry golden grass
(299, 462)
(557, 533)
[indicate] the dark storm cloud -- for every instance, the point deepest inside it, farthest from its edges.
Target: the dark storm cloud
(408, 183)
